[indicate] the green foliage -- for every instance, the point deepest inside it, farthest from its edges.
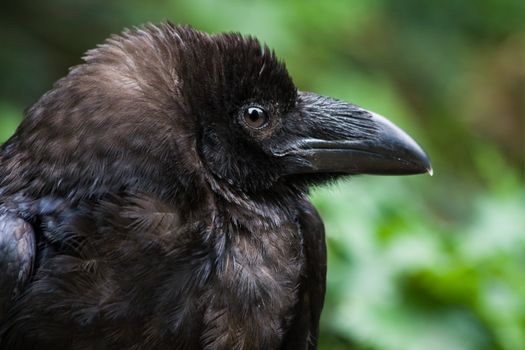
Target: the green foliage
(9, 119)
(403, 277)
(414, 262)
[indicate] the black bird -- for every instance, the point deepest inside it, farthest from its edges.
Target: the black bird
(156, 198)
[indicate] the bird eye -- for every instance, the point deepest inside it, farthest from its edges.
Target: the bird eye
(255, 117)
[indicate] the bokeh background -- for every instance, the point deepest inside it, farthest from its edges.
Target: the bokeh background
(414, 262)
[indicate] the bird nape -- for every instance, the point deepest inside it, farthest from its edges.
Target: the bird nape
(156, 198)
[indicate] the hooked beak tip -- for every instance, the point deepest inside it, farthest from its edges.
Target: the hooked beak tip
(393, 141)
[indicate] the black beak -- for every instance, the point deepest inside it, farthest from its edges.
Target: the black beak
(338, 137)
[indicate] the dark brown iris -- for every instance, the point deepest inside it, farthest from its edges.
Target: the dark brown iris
(255, 117)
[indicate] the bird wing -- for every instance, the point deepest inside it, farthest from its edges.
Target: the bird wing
(17, 253)
(305, 328)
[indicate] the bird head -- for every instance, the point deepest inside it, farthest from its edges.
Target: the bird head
(257, 130)
(169, 103)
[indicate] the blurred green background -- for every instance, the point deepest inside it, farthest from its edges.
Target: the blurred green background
(414, 262)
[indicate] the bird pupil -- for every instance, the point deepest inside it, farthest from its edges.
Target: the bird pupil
(254, 114)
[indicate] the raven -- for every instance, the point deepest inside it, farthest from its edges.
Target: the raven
(156, 198)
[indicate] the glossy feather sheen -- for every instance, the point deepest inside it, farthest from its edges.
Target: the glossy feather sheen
(159, 223)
